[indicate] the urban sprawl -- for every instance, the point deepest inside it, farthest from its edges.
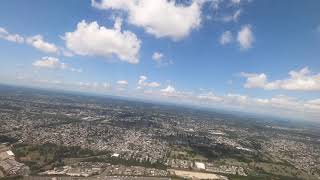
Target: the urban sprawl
(47, 135)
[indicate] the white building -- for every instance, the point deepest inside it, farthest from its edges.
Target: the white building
(10, 153)
(200, 165)
(115, 155)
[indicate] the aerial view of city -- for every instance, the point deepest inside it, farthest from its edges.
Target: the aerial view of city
(48, 134)
(159, 90)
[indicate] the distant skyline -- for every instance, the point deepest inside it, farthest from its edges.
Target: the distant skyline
(247, 55)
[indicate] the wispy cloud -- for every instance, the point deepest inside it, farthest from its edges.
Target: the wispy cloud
(245, 37)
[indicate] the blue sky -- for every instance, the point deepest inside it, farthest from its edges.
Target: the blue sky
(217, 53)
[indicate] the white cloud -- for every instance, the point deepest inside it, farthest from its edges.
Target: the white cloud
(92, 39)
(283, 102)
(254, 80)
(168, 90)
(3, 31)
(122, 83)
(4, 34)
(142, 80)
(38, 42)
(153, 84)
(281, 105)
(313, 105)
(245, 37)
(210, 97)
(35, 41)
(142, 83)
(49, 62)
(236, 99)
(236, 1)
(171, 92)
(226, 38)
(53, 63)
(278, 105)
(158, 57)
(303, 80)
(161, 18)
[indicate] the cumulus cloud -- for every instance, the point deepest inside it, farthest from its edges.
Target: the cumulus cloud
(226, 38)
(142, 83)
(161, 18)
(254, 80)
(92, 39)
(4, 34)
(38, 42)
(169, 90)
(53, 63)
(245, 37)
(302, 80)
(158, 57)
(49, 62)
